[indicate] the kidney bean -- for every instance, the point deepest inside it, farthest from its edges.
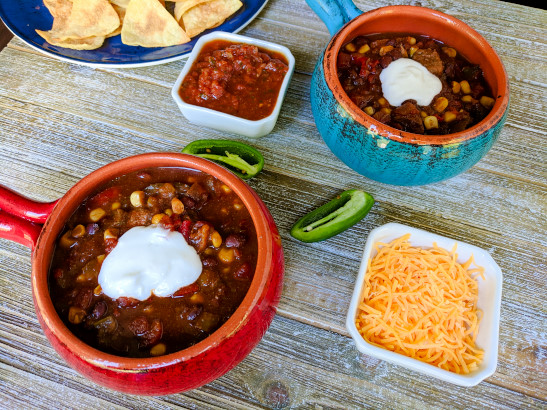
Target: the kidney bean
(139, 326)
(91, 229)
(235, 241)
(244, 272)
(153, 335)
(99, 310)
(83, 298)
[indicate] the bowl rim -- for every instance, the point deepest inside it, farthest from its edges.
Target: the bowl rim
(416, 12)
(236, 38)
(491, 329)
(90, 184)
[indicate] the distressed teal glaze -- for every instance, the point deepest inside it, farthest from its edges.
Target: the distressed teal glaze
(386, 160)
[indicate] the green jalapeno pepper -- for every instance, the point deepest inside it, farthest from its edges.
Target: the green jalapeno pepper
(335, 216)
(242, 159)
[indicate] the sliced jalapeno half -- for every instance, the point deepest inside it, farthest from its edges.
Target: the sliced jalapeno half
(242, 159)
(335, 216)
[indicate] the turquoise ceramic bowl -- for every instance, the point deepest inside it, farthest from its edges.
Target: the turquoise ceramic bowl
(383, 153)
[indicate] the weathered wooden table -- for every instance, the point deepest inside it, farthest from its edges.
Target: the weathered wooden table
(59, 122)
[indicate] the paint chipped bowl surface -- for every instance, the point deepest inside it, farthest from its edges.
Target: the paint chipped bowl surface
(21, 220)
(383, 153)
(489, 302)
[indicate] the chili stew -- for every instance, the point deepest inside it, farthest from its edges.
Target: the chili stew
(212, 219)
(465, 98)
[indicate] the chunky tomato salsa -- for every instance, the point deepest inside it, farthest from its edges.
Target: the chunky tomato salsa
(213, 221)
(463, 98)
(237, 79)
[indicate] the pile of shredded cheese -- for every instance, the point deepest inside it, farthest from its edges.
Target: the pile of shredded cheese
(422, 303)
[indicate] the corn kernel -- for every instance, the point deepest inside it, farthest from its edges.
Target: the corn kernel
(384, 50)
(78, 231)
(449, 51)
(98, 290)
(238, 206)
(116, 205)
(168, 212)
(412, 50)
(449, 116)
(486, 102)
(383, 102)
(111, 233)
(431, 122)
(216, 239)
(197, 299)
(96, 214)
(386, 110)
(350, 47)
(423, 114)
(467, 99)
(226, 255)
(465, 87)
(177, 205)
(456, 87)
(363, 49)
(137, 199)
(100, 258)
(76, 315)
(440, 104)
(411, 40)
(369, 110)
(226, 189)
(156, 219)
(158, 350)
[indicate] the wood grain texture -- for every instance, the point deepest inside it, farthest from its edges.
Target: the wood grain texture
(59, 122)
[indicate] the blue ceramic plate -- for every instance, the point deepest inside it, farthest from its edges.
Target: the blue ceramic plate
(22, 17)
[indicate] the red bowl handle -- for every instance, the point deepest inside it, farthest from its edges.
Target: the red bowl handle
(21, 218)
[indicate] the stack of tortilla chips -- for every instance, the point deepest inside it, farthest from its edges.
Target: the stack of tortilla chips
(85, 24)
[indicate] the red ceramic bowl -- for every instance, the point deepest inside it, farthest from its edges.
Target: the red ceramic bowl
(209, 359)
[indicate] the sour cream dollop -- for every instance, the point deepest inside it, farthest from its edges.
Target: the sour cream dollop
(406, 79)
(149, 260)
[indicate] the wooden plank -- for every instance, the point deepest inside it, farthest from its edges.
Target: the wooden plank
(54, 128)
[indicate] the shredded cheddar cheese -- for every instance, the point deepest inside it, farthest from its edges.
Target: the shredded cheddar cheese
(422, 303)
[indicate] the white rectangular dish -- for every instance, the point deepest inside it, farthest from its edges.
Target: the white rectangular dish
(489, 301)
(226, 122)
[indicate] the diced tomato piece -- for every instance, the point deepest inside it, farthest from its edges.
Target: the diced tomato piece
(186, 290)
(103, 198)
(184, 229)
(110, 244)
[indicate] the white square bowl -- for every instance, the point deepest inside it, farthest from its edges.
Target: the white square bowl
(489, 302)
(226, 122)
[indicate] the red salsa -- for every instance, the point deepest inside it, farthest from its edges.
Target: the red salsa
(211, 218)
(237, 79)
(465, 98)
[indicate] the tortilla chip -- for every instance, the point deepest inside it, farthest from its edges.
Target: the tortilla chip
(121, 14)
(89, 43)
(88, 18)
(182, 6)
(147, 23)
(120, 3)
(206, 15)
(59, 8)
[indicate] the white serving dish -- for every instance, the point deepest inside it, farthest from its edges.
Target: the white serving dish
(226, 122)
(489, 302)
